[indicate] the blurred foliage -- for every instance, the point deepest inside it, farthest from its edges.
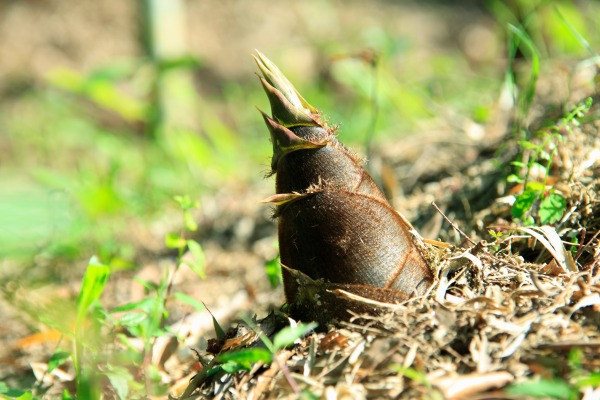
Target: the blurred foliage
(86, 156)
(90, 331)
(549, 23)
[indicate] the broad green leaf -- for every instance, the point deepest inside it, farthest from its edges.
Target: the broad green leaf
(94, 280)
(174, 241)
(535, 186)
(25, 396)
(247, 357)
(273, 270)
(528, 220)
(12, 394)
(119, 378)
(288, 335)
(58, 358)
(587, 379)
(543, 388)
(513, 178)
(231, 367)
(215, 370)
(523, 203)
(198, 255)
(120, 384)
(552, 209)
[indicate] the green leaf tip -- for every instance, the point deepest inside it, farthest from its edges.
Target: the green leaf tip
(288, 106)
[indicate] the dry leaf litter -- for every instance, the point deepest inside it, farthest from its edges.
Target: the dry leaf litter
(500, 311)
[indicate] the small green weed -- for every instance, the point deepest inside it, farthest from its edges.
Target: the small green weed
(498, 237)
(273, 270)
(96, 332)
(145, 319)
(538, 202)
(419, 378)
(244, 359)
(231, 362)
(569, 387)
(534, 167)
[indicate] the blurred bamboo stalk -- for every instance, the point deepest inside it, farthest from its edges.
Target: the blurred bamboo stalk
(164, 37)
(164, 21)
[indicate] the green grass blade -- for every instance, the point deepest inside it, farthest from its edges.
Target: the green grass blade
(521, 39)
(94, 280)
(198, 262)
(582, 41)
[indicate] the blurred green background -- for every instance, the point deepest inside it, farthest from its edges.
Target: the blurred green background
(109, 109)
